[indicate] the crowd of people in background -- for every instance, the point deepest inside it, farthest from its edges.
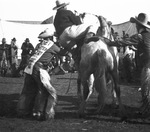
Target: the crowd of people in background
(16, 66)
(9, 54)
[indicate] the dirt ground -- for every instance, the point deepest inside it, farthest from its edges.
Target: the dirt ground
(66, 118)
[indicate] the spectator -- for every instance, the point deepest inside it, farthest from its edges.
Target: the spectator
(38, 96)
(27, 51)
(5, 53)
(14, 57)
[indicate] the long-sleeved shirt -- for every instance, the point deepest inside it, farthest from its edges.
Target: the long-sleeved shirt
(63, 19)
(145, 46)
(7, 49)
(27, 48)
(48, 55)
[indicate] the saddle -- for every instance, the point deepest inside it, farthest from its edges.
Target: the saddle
(97, 38)
(105, 40)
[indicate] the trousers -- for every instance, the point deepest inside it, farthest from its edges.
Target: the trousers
(35, 96)
(75, 32)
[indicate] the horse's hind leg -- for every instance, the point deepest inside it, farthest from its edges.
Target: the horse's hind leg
(117, 91)
(83, 102)
(100, 86)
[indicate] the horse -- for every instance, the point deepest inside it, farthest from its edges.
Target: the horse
(92, 19)
(98, 62)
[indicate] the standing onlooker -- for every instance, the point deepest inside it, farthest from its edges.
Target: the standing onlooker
(14, 56)
(27, 51)
(5, 53)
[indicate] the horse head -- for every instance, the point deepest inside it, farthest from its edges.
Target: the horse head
(105, 29)
(90, 19)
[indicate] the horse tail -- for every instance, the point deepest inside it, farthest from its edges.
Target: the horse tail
(101, 62)
(145, 89)
(100, 77)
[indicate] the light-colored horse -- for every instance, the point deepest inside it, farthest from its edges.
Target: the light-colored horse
(98, 62)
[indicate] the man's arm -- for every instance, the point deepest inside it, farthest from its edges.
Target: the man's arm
(75, 19)
(60, 51)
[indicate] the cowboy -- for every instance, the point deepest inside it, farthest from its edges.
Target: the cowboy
(143, 28)
(38, 96)
(69, 28)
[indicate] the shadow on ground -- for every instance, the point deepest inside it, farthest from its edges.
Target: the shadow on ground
(67, 108)
(8, 104)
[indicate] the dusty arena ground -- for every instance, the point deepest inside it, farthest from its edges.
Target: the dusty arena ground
(66, 119)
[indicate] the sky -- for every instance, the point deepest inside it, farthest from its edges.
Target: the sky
(117, 11)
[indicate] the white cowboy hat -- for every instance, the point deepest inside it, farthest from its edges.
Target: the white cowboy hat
(46, 33)
(142, 19)
(60, 4)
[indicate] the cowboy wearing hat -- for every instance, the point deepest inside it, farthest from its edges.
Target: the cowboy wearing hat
(143, 28)
(69, 27)
(70, 30)
(38, 96)
(60, 4)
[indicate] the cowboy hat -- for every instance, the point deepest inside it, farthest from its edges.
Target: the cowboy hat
(142, 19)
(60, 4)
(109, 23)
(14, 39)
(46, 33)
